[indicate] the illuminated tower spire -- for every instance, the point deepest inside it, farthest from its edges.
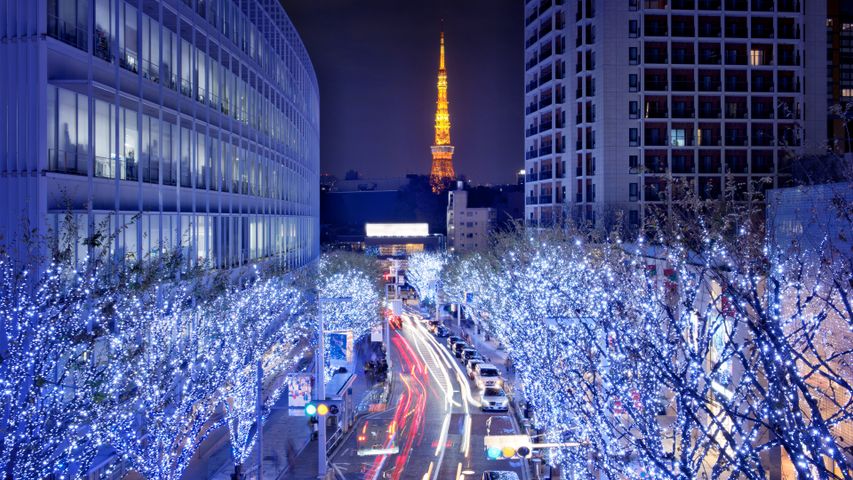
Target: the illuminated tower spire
(442, 151)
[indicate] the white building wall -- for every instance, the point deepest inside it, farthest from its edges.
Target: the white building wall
(602, 182)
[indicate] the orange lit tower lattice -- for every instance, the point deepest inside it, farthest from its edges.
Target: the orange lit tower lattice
(442, 151)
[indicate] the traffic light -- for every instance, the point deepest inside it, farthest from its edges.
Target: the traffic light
(503, 447)
(328, 407)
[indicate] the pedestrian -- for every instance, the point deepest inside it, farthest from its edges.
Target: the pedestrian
(291, 454)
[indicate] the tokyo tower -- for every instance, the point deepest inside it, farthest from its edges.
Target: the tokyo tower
(442, 151)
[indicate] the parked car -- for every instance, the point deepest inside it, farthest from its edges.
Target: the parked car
(458, 347)
(499, 475)
(468, 353)
(494, 399)
(442, 331)
(471, 364)
(487, 375)
(451, 340)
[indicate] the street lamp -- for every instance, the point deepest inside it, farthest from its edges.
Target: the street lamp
(320, 382)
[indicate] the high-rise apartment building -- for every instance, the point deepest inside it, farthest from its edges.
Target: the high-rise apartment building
(839, 86)
(621, 94)
(190, 124)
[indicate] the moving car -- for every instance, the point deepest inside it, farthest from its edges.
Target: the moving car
(494, 399)
(487, 375)
(499, 475)
(442, 331)
(471, 365)
(451, 340)
(458, 348)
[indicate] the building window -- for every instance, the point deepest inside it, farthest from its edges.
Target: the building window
(677, 137)
(634, 218)
(633, 164)
(633, 28)
(756, 57)
(633, 82)
(633, 137)
(633, 192)
(633, 5)
(633, 55)
(847, 92)
(633, 109)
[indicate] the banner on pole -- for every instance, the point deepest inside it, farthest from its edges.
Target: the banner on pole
(376, 333)
(340, 348)
(298, 393)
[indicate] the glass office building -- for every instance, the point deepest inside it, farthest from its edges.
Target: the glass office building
(166, 124)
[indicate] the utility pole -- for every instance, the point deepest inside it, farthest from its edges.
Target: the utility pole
(320, 394)
(320, 383)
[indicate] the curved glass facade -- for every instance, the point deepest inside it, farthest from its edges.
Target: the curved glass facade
(189, 124)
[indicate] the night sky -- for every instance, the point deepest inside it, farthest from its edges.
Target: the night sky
(377, 62)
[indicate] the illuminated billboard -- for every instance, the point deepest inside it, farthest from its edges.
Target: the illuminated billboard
(396, 229)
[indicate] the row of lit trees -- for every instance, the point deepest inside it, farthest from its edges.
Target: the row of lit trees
(135, 361)
(699, 350)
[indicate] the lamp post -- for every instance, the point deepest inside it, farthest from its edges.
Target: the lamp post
(320, 383)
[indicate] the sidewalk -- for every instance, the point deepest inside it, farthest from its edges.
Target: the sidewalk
(282, 433)
(306, 461)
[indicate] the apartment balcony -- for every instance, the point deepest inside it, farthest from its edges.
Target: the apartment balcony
(736, 31)
(531, 85)
(656, 141)
(761, 139)
(546, 150)
(546, 78)
(656, 113)
(787, 86)
(530, 155)
(788, 5)
(736, 85)
(656, 56)
(530, 19)
(682, 5)
(683, 113)
(545, 5)
(736, 140)
(545, 126)
(533, 130)
(709, 30)
(546, 102)
(534, 37)
(709, 141)
(683, 29)
(709, 112)
(762, 112)
(531, 108)
(656, 85)
(683, 57)
(543, 199)
(709, 4)
(683, 86)
(70, 33)
(762, 5)
(709, 57)
(530, 63)
(788, 32)
(532, 201)
(709, 85)
(546, 174)
(737, 5)
(761, 86)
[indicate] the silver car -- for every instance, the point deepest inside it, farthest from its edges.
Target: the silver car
(494, 399)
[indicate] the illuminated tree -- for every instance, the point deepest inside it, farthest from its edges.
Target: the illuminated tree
(694, 355)
(423, 273)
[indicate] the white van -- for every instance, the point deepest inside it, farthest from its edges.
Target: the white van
(487, 375)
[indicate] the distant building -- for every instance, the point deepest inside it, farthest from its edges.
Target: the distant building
(346, 205)
(839, 62)
(442, 172)
(399, 240)
(468, 228)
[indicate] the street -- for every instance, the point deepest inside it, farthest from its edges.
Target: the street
(435, 414)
